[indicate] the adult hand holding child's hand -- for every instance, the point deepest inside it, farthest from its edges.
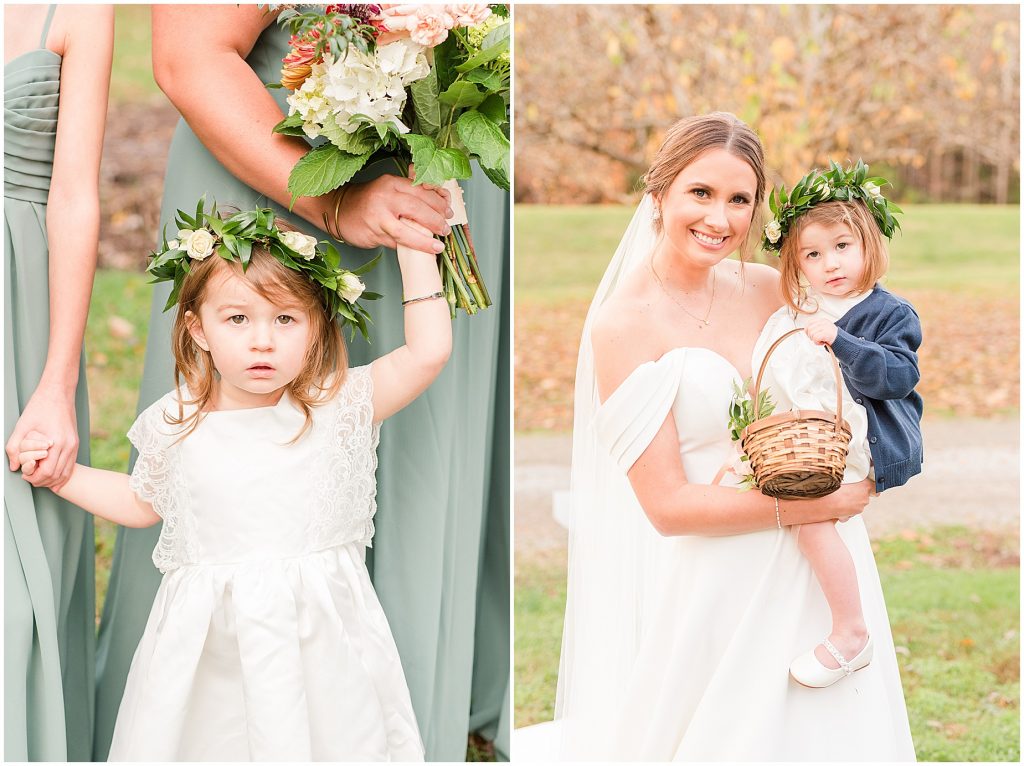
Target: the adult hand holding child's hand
(30, 452)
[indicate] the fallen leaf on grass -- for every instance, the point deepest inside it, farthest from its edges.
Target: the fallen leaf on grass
(120, 327)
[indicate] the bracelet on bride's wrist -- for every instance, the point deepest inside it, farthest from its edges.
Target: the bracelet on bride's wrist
(778, 519)
(432, 296)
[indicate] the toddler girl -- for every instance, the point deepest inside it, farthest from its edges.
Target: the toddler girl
(828, 232)
(266, 640)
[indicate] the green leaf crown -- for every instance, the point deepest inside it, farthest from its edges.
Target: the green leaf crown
(233, 239)
(819, 186)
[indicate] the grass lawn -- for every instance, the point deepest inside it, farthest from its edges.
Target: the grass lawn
(954, 602)
(115, 343)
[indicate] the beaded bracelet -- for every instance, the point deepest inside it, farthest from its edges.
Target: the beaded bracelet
(778, 521)
(432, 296)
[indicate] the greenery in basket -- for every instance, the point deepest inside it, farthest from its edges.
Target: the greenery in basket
(742, 414)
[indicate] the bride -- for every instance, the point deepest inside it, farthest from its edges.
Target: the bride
(687, 598)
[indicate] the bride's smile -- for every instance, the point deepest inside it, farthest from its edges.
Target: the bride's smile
(707, 210)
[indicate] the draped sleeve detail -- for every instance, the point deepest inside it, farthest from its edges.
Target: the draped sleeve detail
(629, 419)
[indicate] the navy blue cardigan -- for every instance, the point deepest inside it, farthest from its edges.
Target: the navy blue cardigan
(877, 347)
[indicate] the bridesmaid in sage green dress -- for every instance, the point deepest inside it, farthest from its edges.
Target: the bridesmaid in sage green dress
(51, 228)
(441, 547)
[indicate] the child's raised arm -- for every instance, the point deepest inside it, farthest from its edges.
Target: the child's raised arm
(405, 373)
(887, 367)
(102, 493)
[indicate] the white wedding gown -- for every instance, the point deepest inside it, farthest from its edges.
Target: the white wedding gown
(721, 618)
(266, 640)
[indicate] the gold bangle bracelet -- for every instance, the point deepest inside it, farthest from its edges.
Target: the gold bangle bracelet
(335, 232)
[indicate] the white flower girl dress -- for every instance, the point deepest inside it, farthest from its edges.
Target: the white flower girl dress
(266, 640)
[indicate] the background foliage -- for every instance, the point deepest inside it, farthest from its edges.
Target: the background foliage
(926, 94)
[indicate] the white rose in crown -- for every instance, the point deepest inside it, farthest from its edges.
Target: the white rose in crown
(350, 287)
(198, 244)
(825, 190)
(303, 244)
(773, 231)
(872, 190)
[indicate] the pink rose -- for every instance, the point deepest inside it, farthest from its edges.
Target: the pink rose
(426, 24)
(469, 14)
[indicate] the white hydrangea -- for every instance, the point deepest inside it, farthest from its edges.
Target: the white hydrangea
(361, 84)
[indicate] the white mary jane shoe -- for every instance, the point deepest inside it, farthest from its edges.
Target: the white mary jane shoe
(807, 669)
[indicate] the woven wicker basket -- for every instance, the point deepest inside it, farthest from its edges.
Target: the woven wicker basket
(798, 454)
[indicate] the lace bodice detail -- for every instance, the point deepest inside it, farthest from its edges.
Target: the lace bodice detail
(236, 490)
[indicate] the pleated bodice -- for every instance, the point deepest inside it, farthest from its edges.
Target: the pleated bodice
(31, 94)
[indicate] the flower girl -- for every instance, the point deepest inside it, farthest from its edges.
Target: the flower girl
(266, 640)
(828, 233)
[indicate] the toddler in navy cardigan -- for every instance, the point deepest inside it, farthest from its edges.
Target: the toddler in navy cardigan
(829, 234)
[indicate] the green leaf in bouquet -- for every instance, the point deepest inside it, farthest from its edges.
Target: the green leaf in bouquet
(322, 170)
(484, 139)
(498, 177)
(495, 109)
(487, 54)
(445, 56)
(435, 165)
(462, 94)
(485, 78)
(353, 143)
(290, 126)
(498, 35)
(425, 104)
(449, 138)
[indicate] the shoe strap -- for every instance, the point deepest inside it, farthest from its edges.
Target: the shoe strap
(843, 663)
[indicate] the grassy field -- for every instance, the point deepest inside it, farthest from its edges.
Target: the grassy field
(131, 78)
(561, 251)
(953, 599)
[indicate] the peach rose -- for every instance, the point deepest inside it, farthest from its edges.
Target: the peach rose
(469, 14)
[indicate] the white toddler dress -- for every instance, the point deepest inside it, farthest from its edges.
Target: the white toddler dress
(266, 640)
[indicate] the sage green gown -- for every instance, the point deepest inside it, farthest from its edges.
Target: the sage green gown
(49, 597)
(441, 546)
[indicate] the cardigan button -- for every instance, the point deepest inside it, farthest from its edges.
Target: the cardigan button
(859, 401)
(873, 439)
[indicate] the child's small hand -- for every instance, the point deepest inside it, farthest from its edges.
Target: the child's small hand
(821, 331)
(33, 449)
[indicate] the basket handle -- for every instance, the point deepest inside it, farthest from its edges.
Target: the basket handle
(835, 370)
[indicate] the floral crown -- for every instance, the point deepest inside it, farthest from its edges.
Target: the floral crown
(233, 239)
(830, 185)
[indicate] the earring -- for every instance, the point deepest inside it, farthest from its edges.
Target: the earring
(657, 213)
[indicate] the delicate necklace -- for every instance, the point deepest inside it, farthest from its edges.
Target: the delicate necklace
(704, 322)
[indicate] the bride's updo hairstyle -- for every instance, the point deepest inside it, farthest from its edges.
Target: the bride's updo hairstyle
(690, 137)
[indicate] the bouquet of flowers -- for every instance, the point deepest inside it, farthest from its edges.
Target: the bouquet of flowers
(418, 84)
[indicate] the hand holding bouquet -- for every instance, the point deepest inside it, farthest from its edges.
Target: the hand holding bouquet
(426, 85)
